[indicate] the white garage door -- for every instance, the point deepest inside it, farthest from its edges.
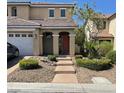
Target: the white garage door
(23, 41)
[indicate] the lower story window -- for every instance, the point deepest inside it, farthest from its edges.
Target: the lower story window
(11, 35)
(30, 35)
(23, 35)
(17, 35)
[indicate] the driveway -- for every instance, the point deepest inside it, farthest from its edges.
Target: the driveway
(13, 61)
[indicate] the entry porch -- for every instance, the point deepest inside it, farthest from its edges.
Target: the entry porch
(57, 42)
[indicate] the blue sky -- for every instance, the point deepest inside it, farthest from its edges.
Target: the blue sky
(103, 6)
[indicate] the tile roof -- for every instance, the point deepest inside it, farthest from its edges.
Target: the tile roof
(14, 21)
(18, 1)
(56, 23)
(104, 34)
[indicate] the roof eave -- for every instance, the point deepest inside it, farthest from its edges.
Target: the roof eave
(18, 3)
(23, 26)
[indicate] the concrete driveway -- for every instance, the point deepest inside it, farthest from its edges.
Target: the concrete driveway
(13, 61)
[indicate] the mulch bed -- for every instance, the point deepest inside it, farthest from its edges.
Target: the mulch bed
(44, 74)
(85, 75)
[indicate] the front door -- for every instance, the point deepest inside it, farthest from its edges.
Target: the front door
(47, 43)
(64, 44)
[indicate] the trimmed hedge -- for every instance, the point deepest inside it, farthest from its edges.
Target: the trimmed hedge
(94, 64)
(28, 64)
(52, 57)
(112, 56)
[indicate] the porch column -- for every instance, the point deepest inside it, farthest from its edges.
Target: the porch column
(36, 50)
(41, 44)
(55, 44)
(72, 44)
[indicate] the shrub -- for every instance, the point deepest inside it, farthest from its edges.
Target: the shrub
(52, 57)
(104, 48)
(85, 52)
(78, 56)
(112, 56)
(28, 64)
(94, 64)
(91, 51)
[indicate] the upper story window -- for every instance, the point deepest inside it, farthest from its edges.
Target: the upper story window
(51, 12)
(63, 12)
(102, 25)
(14, 11)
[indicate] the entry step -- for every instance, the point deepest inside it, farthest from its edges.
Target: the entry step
(64, 63)
(64, 69)
(65, 78)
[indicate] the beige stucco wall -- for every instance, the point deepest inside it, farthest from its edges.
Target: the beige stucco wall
(92, 27)
(38, 13)
(112, 30)
(28, 12)
(43, 13)
(22, 11)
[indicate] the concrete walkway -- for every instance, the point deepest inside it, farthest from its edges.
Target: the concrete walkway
(60, 88)
(65, 72)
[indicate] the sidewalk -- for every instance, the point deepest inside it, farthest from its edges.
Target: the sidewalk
(60, 88)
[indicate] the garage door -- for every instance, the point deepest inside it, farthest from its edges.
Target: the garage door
(23, 41)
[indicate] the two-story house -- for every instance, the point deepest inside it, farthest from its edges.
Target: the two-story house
(106, 32)
(38, 28)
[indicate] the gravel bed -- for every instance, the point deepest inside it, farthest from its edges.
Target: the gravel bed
(44, 74)
(85, 75)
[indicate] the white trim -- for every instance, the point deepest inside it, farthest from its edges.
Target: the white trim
(14, 29)
(18, 3)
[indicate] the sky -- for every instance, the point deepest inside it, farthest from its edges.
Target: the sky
(103, 6)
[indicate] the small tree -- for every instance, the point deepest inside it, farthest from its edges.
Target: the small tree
(80, 38)
(87, 14)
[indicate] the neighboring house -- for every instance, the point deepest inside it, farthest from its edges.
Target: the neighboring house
(107, 32)
(41, 28)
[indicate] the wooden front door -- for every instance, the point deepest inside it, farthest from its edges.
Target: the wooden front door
(64, 44)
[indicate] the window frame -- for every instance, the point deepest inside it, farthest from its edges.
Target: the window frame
(61, 13)
(17, 35)
(11, 35)
(49, 12)
(30, 35)
(14, 11)
(23, 35)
